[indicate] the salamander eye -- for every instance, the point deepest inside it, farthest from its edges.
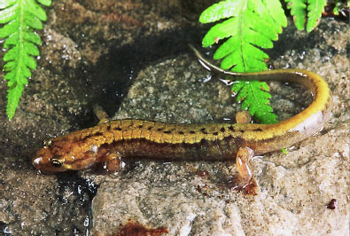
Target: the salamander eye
(56, 163)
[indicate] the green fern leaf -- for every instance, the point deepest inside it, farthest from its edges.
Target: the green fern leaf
(13, 92)
(7, 14)
(20, 18)
(251, 25)
(315, 9)
(6, 3)
(306, 10)
(255, 98)
(222, 10)
(45, 2)
(298, 11)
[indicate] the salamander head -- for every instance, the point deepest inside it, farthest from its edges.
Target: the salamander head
(62, 156)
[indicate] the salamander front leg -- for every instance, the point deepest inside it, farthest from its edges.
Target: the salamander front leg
(101, 114)
(245, 180)
(112, 162)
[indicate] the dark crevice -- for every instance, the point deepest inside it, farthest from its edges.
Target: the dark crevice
(83, 191)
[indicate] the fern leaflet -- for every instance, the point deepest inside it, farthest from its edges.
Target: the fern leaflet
(310, 10)
(256, 104)
(251, 25)
(20, 19)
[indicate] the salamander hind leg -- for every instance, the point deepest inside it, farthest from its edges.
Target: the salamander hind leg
(243, 117)
(245, 180)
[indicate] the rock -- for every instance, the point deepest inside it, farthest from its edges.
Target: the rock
(95, 52)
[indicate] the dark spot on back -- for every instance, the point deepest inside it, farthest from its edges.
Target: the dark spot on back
(167, 132)
(149, 128)
(108, 128)
(215, 133)
(140, 126)
(222, 129)
(258, 129)
(98, 133)
(118, 128)
(231, 128)
(204, 131)
(160, 129)
(192, 132)
(180, 132)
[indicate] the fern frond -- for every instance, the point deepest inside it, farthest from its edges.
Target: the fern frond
(251, 25)
(20, 18)
(298, 11)
(315, 9)
(258, 101)
(306, 10)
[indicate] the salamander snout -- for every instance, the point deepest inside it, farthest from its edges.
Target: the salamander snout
(45, 161)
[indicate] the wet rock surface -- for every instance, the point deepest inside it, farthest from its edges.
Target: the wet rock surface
(36, 204)
(191, 199)
(80, 65)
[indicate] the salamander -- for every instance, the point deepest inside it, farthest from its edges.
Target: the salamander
(111, 141)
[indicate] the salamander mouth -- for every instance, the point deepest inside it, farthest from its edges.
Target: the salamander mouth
(46, 166)
(52, 165)
(80, 164)
(45, 161)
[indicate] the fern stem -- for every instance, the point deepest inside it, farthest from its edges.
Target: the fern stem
(21, 41)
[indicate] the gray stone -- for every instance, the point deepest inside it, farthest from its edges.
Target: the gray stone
(189, 198)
